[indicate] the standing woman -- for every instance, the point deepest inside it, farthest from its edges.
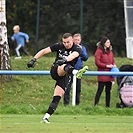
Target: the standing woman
(104, 61)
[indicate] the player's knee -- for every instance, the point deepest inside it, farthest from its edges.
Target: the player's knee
(61, 71)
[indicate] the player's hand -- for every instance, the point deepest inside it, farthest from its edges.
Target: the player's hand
(31, 63)
(61, 61)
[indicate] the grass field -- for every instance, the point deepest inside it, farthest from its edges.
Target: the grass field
(67, 124)
(24, 100)
(32, 94)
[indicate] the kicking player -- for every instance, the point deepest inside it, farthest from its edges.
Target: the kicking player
(66, 58)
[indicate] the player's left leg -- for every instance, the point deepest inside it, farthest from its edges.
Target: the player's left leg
(58, 93)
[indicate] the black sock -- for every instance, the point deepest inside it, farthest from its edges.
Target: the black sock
(53, 104)
(68, 69)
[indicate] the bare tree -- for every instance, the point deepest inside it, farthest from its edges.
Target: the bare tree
(5, 63)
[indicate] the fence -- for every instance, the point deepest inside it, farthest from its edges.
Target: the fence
(88, 73)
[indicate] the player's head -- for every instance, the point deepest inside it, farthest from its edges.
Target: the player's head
(77, 38)
(16, 28)
(67, 40)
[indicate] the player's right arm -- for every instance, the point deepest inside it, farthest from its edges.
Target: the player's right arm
(42, 52)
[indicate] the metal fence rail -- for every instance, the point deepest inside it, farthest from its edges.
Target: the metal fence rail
(88, 73)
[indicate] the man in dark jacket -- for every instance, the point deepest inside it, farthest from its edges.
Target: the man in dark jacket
(79, 65)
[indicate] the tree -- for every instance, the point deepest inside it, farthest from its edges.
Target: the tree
(5, 63)
(100, 17)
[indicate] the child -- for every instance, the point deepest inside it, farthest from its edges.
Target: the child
(20, 38)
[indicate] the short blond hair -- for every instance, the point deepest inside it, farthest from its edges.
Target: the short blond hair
(16, 27)
(77, 34)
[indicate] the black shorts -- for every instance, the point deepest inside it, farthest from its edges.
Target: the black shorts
(61, 81)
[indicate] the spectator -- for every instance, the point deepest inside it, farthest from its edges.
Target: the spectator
(104, 61)
(79, 65)
(20, 38)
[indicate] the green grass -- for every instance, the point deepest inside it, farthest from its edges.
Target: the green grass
(32, 94)
(67, 124)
